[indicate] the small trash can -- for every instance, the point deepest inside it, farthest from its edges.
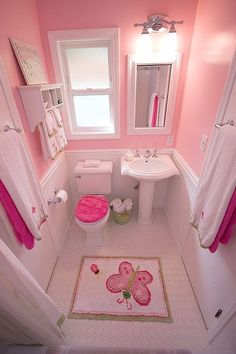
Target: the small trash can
(122, 218)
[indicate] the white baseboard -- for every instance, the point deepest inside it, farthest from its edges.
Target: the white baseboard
(228, 313)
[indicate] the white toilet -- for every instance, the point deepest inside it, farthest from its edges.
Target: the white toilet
(92, 210)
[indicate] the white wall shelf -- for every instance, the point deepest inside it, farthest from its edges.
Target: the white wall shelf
(39, 99)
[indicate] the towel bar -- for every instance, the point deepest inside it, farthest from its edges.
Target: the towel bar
(230, 122)
(6, 128)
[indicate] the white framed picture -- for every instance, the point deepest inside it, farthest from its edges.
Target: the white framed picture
(29, 62)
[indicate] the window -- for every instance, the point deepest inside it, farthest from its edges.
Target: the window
(87, 64)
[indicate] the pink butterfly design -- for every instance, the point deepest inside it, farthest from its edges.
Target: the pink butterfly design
(130, 282)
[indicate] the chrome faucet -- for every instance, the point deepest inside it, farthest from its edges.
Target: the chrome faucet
(147, 154)
(155, 153)
(137, 153)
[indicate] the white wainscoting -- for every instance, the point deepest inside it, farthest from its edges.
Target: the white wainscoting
(213, 279)
(180, 195)
(122, 186)
(41, 260)
(59, 215)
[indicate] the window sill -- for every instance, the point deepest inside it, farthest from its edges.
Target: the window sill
(94, 136)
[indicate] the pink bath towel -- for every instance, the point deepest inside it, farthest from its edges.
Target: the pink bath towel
(22, 232)
(226, 227)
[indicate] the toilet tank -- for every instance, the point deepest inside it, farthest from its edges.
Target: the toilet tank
(93, 180)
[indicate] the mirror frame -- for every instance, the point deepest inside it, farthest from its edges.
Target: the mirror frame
(155, 58)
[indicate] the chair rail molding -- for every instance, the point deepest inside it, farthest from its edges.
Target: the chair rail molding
(190, 177)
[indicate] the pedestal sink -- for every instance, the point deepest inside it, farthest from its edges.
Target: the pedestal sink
(147, 171)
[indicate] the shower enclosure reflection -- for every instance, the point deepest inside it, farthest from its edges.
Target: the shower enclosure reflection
(151, 95)
(152, 83)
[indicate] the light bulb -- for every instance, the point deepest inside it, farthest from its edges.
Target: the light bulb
(143, 44)
(169, 43)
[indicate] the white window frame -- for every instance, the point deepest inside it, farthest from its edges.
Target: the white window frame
(59, 41)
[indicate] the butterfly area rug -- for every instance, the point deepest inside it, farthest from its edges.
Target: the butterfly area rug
(120, 289)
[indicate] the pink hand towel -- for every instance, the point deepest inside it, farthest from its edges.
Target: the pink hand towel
(155, 110)
(22, 232)
(226, 227)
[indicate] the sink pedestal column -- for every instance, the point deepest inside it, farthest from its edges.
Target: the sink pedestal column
(146, 195)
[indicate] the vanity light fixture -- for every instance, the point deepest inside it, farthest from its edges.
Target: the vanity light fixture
(158, 23)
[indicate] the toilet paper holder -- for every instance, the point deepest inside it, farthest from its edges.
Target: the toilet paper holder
(54, 199)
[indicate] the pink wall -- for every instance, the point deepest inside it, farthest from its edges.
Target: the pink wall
(19, 20)
(211, 53)
(77, 14)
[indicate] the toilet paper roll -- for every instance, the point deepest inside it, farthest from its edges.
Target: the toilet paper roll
(62, 196)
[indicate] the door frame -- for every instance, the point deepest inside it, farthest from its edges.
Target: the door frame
(229, 84)
(4, 82)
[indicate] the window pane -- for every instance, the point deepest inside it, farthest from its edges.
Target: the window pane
(92, 111)
(88, 68)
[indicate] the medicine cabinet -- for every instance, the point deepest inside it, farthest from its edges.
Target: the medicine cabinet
(152, 85)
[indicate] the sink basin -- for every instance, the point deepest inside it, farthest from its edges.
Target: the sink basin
(153, 169)
(148, 171)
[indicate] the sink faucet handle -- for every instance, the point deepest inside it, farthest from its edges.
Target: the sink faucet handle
(136, 153)
(147, 154)
(155, 152)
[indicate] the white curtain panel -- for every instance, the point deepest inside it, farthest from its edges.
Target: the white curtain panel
(29, 311)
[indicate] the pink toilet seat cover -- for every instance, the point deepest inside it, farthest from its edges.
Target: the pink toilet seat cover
(91, 208)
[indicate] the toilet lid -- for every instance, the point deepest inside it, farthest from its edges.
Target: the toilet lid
(91, 208)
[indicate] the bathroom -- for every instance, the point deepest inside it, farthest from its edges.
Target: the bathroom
(206, 282)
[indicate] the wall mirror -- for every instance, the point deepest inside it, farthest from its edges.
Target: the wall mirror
(152, 83)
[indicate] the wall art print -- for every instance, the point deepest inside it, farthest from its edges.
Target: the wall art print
(29, 62)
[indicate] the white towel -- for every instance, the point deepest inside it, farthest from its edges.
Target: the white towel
(18, 177)
(92, 163)
(119, 208)
(51, 145)
(216, 185)
(61, 138)
(118, 205)
(50, 124)
(128, 204)
(57, 115)
(116, 202)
